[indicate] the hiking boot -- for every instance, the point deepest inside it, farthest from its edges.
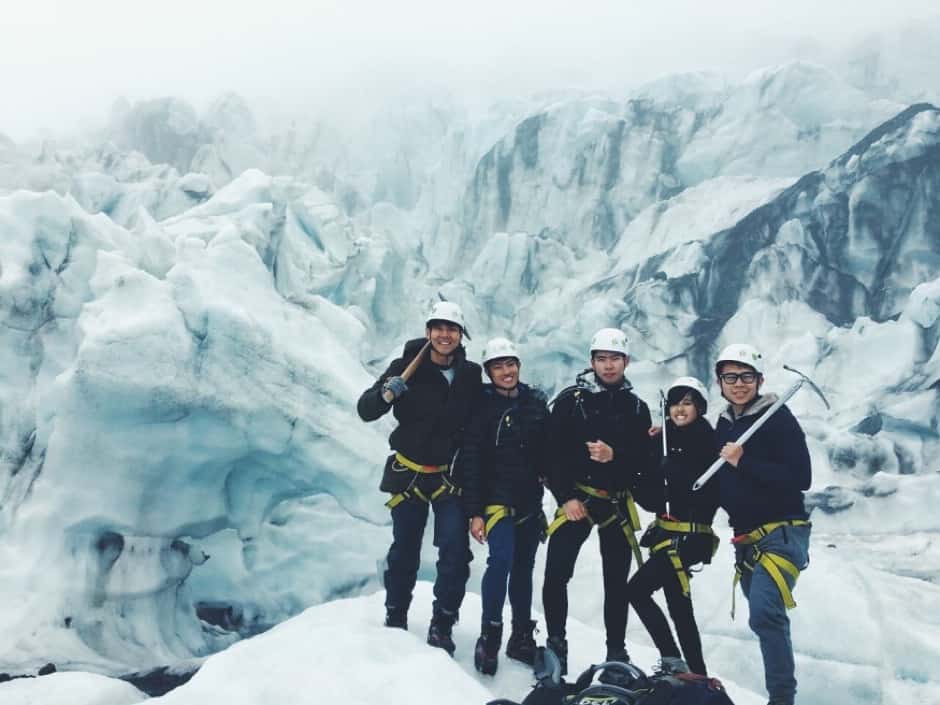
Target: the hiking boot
(670, 666)
(521, 644)
(440, 632)
(560, 648)
(396, 617)
(620, 655)
(486, 653)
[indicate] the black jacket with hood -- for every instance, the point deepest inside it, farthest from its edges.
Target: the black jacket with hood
(774, 472)
(432, 413)
(503, 458)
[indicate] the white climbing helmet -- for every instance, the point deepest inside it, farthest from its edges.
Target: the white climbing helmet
(447, 311)
(499, 347)
(610, 340)
(743, 354)
(691, 383)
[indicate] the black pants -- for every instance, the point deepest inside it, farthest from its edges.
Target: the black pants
(656, 573)
(616, 554)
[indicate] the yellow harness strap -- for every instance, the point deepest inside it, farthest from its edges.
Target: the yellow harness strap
(414, 491)
(766, 529)
(669, 547)
(560, 518)
(629, 523)
(417, 467)
(773, 563)
(495, 513)
(684, 527)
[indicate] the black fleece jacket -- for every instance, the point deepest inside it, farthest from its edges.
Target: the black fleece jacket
(432, 413)
(504, 451)
(772, 474)
(589, 413)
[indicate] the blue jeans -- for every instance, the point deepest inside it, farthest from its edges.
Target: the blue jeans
(512, 556)
(768, 618)
(404, 555)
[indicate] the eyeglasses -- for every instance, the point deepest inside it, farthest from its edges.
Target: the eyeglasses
(733, 377)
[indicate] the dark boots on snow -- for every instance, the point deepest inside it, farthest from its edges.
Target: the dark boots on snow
(440, 631)
(521, 644)
(396, 617)
(560, 648)
(486, 653)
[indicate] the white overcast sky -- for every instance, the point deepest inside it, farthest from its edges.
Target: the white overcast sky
(63, 62)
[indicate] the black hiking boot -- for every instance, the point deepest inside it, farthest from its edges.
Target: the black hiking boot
(440, 632)
(486, 653)
(396, 617)
(560, 647)
(521, 644)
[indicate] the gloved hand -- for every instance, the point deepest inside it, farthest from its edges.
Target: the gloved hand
(393, 388)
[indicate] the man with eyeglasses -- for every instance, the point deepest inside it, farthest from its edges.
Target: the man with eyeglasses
(761, 487)
(599, 452)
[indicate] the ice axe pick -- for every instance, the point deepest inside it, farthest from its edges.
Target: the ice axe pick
(803, 379)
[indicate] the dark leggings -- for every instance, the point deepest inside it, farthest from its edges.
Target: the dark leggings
(616, 554)
(654, 574)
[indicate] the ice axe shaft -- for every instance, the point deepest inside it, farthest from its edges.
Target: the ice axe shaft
(714, 467)
(662, 409)
(409, 371)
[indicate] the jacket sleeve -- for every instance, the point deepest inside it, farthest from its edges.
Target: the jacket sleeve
(649, 488)
(708, 498)
(635, 457)
(543, 453)
(371, 405)
(471, 463)
(793, 471)
(560, 480)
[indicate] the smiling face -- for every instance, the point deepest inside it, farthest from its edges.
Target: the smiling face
(444, 337)
(503, 372)
(609, 366)
(739, 392)
(684, 411)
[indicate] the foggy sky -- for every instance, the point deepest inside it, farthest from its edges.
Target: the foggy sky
(64, 62)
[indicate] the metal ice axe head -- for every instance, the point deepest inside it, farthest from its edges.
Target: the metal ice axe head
(807, 380)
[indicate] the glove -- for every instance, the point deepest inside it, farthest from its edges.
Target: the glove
(393, 388)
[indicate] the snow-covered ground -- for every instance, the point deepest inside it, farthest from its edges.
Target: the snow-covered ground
(183, 336)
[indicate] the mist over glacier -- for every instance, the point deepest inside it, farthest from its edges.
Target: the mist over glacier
(191, 302)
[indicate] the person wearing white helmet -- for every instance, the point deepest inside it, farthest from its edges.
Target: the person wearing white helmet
(432, 407)
(681, 536)
(503, 464)
(600, 450)
(761, 487)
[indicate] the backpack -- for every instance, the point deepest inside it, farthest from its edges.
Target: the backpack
(625, 685)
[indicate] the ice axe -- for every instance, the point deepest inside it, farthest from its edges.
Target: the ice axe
(665, 458)
(803, 379)
(409, 371)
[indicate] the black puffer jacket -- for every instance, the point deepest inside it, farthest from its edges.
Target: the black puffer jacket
(589, 413)
(692, 449)
(504, 451)
(432, 413)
